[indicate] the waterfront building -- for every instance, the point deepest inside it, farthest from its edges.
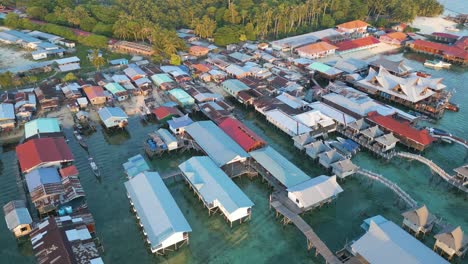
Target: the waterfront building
(178, 124)
(302, 140)
(165, 113)
(163, 223)
(452, 243)
(398, 68)
(117, 91)
(344, 168)
(42, 127)
(67, 239)
(43, 152)
(276, 168)
(316, 148)
(371, 133)
(95, 95)
(168, 139)
(318, 122)
(462, 173)
(354, 45)
(47, 101)
(240, 133)
(340, 117)
(418, 220)
(324, 70)
(221, 148)
(286, 123)
(445, 37)
(356, 126)
(45, 188)
(135, 165)
(386, 142)
(386, 243)
(349, 65)
(314, 192)
(17, 218)
(408, 135)
(394, 38)
(7, 116)
(326, 159)
(216, 189)
(113, 117)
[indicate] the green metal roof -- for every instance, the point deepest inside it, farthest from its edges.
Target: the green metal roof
(41, 125)
(182, 96)
(161, 78)
(234, 86)
(114, 88)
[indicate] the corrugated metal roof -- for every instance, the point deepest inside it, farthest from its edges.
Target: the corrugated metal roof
(285, 122)
(316, 190)
(387, 243)
(73, 59)
(159, 213)
(217, 144)
(41, 125)
(161, 78)
(16, 214)
(279, 167)
(135, 165)
(166, 136)
(7, 111)
(41, 176)
(214, 185)
(109, 112)
(235, 85)
(182, 96)
(114, 88)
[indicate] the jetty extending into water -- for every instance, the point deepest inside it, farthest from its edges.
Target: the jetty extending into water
(444, 175)
(453, 138)
(392, 186)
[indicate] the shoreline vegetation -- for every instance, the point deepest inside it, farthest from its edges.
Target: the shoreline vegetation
(155, 21)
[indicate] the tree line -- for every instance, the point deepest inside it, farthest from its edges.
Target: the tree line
(226, 21)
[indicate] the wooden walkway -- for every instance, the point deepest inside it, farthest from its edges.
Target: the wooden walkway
(171, 174)
(444, 175)
(392, 186)
(455, 139)
(313, 240)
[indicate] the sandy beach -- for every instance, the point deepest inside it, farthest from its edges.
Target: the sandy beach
(362, 54)
(428, 25)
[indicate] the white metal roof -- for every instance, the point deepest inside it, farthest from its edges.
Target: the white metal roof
(316, 190)
(214, 185)
(314, 118)
(157, 209)
(387, 243)
(216, 143)
(293, 126)
(332, 112)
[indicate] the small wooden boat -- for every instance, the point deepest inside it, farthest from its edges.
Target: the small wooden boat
(438, 64)
(80, 139)
(452, 107)
(94, 167)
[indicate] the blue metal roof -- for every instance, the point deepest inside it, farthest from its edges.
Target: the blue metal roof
(214, 185)
(178, 122)
(7, 111)
(135, 165)
(110, 112)
(279, 167)
(159, 213)
(216, 143)
(42, 176)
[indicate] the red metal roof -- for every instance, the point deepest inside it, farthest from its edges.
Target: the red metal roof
(245, 137)
(164, 111)
(356, 43)
(402, 129)
(37, 151)
(94, 91)
(445, 35)
(428, 44)
(69, 171)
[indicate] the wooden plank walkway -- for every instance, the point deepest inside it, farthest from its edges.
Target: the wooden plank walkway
(392, 186)
(444, 175)
(170, 174)
(313, 240)
(452, 138)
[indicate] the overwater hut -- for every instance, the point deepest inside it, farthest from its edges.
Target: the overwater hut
(17, 218)
(386, 142)
(277, 169)
(7, 116)
(181, 97)
(233, 87)
(117, 91)
(113, 117)
(178, 124)
(42, 127)
(71, 183)
(314, 192)
(240, 133)
(168, 139)
(371, 133)
(344, 168)
(386, 243)
(135, 165)
(319, 123)
(355, 127)
(216, 189)
(302, 140)
(221, 148)
(461, 173)
(286, 123)
(43, 152)
(418, 220)
(45, 188)
(164, 113)
(66, 239)
(397, 68)
(315, 148)
(163, 223)
(326, 159)
(451, 243)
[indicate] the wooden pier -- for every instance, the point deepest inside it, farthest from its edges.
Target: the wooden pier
(171, 174)
(313, 240)
(438, 170)
(452, 138)
(392, 186)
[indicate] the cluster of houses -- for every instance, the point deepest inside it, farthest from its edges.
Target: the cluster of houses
(52, 182)
(454, 48)
(16, 108)
(44, 45)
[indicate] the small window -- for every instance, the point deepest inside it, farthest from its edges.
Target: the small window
(297, 200)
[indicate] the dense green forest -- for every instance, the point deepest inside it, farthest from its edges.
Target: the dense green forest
(226, 21)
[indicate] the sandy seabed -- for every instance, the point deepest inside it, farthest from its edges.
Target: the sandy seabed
(428, 25)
